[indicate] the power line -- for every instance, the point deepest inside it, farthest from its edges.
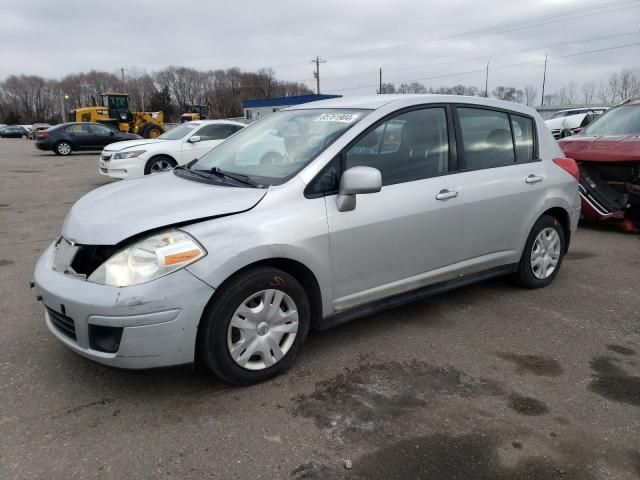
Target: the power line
(483, 69)
(599, 9)
(482, 57)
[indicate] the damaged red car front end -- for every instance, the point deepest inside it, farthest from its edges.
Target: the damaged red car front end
(608, 154)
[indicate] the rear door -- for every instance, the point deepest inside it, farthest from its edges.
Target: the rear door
(81, 136)
(413, 225)
(502, 177)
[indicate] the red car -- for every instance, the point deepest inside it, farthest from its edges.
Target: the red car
(608, 153)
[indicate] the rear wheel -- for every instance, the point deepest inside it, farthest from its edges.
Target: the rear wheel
(543, 253)
(62, 148)
(159, 164)
(255, 327)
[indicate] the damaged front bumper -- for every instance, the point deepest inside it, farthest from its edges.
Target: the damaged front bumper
(143, 326)
(611, 192)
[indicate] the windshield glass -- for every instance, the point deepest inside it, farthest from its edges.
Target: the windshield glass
(176, 133)
(623, 120)
(273, 150)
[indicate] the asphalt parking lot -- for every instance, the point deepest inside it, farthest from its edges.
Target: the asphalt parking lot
(489, 382)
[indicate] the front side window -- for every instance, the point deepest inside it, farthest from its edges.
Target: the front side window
(214, 132)
(486, 138)
(411, 146)
(273, 150)
(100, 130)
(624, 120)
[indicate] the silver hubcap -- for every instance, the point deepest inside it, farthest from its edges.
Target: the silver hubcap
(64, 148)
(161, 166)
(262, 329)
(545, 253)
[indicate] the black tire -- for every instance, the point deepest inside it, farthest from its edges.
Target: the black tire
(63, 148)
(565, 133)
(525, 276)
(149, 166)
(212, 334)
(151, 130)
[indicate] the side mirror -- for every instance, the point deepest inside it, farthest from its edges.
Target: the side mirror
(194, 138)
(355, 181)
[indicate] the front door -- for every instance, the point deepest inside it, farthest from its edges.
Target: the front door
(406, 235)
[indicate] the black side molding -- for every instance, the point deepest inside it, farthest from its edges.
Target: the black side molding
(411, 296)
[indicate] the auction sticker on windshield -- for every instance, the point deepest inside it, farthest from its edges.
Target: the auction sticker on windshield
(337, 117)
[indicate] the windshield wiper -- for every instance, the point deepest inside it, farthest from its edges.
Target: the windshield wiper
(234, 176)
(195, 172)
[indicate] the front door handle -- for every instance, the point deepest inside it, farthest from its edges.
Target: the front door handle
(533, 178)
(446, 194)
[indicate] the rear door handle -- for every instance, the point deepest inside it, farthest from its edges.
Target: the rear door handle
(446, 194)
(533, 178)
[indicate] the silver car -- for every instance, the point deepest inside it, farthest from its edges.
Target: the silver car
(367, 203)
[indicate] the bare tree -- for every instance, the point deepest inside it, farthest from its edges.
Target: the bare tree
(588, 89)
(530, 94)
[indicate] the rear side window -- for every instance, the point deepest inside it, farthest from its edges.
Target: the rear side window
(523, 137)
(410, 146)
(486, 138)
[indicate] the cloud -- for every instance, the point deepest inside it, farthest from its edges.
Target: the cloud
(57, 38)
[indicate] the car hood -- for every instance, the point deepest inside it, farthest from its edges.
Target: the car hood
(572, 121)
(117, 146)
(605, 148)
(112, 213)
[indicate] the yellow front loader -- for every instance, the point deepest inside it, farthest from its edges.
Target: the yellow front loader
(114, 110)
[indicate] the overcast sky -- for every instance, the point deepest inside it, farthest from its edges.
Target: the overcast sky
(410, 40)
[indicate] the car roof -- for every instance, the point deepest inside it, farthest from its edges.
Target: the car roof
(227, 122)
(374, 102)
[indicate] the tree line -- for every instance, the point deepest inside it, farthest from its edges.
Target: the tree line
(31, 98)
(617, 87)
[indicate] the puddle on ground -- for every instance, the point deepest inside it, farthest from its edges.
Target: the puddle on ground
(538, 365)
(448, 457)
(4, 263)
(621, 350)
(527, 405)
(613, 382)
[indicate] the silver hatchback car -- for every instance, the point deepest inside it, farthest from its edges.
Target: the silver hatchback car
(314, 216)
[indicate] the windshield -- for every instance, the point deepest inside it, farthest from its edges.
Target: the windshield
(623, 120)
(176, 133)
(275, 149)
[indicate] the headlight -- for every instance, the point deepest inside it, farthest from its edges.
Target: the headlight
(148, 259)
(135, 153)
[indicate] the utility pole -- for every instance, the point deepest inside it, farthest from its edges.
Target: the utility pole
(380, 91)
(122, 72)
(486, 82)
(544, 79)
(316, 74)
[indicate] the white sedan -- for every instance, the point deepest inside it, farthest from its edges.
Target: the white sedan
(178, 146)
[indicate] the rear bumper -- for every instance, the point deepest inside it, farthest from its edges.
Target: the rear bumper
(44, 146)
(159, 319)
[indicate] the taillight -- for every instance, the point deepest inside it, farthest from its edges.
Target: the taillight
(42, 134)
(569, 165)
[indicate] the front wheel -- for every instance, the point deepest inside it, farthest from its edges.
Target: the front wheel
(159, 164)
(255, 327)
(543, 253)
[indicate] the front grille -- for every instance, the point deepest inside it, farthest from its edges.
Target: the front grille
(62, 323)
